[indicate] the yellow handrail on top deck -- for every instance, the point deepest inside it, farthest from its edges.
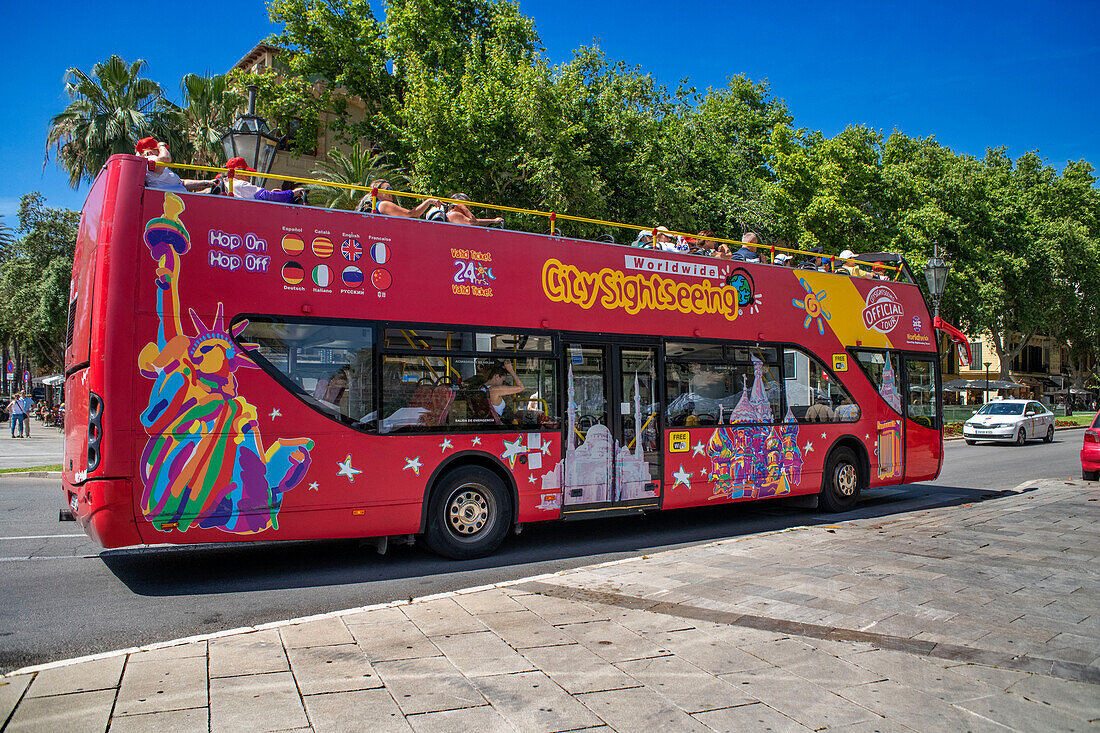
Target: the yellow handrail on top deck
(551, 215)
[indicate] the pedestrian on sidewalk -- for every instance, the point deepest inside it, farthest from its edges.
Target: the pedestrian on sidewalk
(28, 412)
(17, 413)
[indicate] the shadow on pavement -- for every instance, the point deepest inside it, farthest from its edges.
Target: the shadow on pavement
(235, 568)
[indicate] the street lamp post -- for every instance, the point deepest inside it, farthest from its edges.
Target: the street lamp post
(251, 138)
(935, 272)
(987, 380)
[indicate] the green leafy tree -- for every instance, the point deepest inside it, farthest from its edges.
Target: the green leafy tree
(34, 280)
(110, 109)
(208, 108)
(354, 168)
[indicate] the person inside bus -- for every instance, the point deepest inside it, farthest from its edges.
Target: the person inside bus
(847, 411)
(461, 214)
(643, 240)
(388, 207)
(244, 188)
(747, 253)
(495, 390)
(820, 411)
(160, 177)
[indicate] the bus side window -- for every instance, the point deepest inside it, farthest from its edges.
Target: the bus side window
(814, 395)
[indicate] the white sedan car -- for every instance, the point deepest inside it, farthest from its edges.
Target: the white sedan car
(1010, 420)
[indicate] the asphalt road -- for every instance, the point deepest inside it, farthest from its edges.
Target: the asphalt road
(65, 598)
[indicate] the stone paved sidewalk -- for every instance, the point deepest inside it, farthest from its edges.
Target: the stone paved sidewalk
(976, 617)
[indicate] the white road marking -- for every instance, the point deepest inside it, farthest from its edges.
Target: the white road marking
(42, 536)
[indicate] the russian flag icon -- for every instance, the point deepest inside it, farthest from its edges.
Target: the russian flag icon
(352, 277)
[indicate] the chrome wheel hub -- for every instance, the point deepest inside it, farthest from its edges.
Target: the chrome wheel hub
(845, 479)
(468, 511)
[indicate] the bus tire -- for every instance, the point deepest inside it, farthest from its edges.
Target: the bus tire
(468, 514)
(842, 481)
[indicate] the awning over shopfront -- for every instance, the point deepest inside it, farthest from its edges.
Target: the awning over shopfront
(958, 385)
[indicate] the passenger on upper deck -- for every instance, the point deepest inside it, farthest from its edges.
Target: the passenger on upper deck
(666, 243)
(747, 252)
(244, 188)
(159, 177)
(847, 267)
(461, 214)
(387, 206)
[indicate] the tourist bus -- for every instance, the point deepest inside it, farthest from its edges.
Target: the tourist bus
(247, 370)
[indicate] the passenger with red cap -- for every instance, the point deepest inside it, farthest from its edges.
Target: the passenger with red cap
(244, 188)
(160, 177)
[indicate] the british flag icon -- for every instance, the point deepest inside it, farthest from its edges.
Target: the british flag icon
(352, 250)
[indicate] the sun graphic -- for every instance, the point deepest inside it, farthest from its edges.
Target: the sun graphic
(812, 306)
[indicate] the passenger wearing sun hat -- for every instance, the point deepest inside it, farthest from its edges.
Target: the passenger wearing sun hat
(244, 188)
(850, 268)
(160, 177)
(664, 241)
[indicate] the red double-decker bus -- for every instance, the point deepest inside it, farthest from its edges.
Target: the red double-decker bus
(240, 370)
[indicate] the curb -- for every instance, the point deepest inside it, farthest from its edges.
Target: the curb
(31, 474)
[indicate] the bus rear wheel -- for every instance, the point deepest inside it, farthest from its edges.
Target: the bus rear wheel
(469, 513)
(842, 482)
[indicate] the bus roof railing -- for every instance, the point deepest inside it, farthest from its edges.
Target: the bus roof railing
(887, 260)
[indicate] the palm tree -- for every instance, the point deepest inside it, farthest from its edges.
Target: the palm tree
(357, 168)
(209, 107)
(111, 109)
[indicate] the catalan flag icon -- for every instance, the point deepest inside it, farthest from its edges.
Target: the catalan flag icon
(322, 247)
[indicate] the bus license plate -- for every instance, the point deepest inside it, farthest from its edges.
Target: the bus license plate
(74, 503)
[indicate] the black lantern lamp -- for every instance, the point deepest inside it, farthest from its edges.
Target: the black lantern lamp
(935, 272)
(251, 138)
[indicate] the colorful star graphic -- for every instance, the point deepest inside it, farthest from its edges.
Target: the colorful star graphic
(445, 445)
(313, 486)
(546, 447)
(531, 479)
(412, 464)
(697, 449)
(347, 470)
(809, 447)
(682, 478)
(275, 413)
(477, 440)
(812, 305)
(511, 450)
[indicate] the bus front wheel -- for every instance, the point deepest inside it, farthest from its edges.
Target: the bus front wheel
(842, 481)
(469, 514)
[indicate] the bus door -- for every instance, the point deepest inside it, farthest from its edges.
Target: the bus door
(923, 441)
(611, 447)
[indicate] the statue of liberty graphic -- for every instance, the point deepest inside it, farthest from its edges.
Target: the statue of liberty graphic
(205, 463)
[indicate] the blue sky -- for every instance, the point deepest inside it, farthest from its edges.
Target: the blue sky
(1019, 74)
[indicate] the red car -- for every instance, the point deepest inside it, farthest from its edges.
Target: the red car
(1090, 451)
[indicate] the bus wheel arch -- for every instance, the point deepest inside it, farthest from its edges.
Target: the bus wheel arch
(470, 504)
(846, 473)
